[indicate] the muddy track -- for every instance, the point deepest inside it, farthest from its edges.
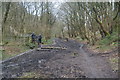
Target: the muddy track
(70, 63)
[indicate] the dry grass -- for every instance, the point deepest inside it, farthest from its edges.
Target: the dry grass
(33, 75)
(114, 61)
(13, 48)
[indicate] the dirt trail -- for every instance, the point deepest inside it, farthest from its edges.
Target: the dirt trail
(70, 63)
(93, 66)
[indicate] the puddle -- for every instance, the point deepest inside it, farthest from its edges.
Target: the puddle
(12, 65)
(41, 61)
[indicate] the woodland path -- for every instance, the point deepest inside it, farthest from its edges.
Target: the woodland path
(72, 62)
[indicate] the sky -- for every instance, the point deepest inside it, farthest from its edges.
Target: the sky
(56, 6)
(59, 0)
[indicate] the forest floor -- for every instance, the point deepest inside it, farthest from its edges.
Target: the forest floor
(74, 61)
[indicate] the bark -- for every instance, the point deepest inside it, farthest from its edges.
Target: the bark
(104, 33)
(7, 11)
(118, 12)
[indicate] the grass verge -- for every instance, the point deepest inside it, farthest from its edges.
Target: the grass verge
(13, 48)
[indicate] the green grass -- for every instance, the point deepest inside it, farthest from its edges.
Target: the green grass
(30, 45)
(49, 41)
(15, 47)
(109, 42)
(110, 39)
(6, 55)
(15, 50)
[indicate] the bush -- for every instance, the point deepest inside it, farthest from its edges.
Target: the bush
(109, 39)
(30, 45)
(49, 41)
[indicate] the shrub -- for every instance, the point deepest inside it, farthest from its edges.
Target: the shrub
(109, 39)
